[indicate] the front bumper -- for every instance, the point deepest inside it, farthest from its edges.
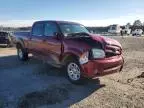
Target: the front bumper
(102, 67)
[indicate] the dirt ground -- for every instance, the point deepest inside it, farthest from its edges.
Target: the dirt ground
(35, 84)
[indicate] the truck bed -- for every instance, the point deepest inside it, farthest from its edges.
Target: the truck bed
(21, 34)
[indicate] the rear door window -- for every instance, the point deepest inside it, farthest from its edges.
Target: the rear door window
(38, 29)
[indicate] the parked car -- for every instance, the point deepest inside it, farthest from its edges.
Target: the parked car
(137, 32)
(70, 46)
(5, 39)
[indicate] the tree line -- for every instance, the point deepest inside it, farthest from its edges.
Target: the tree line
(136, 25)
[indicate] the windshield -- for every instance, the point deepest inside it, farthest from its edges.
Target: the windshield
(68, 29)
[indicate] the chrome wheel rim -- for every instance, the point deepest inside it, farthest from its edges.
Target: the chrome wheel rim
(20, 53)
(73, 71)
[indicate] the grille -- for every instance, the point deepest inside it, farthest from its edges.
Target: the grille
(112, 50)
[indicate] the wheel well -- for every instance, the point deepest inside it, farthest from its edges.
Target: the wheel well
(69, 57)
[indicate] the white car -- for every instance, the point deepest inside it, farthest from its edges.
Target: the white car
(137, 32)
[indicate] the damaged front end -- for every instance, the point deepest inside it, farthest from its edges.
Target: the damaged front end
(103, 58)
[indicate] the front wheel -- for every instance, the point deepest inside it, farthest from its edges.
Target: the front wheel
(22, 54)
(74, 72)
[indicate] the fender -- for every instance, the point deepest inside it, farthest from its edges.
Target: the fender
(71, 52)
(22, 38)
(20, 41)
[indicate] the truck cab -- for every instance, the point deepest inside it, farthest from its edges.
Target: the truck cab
(70, 46)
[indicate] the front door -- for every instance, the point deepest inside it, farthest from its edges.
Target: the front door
(37, 40)
(52, 45)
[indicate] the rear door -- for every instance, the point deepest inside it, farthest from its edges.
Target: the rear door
(37, 39)
(52, 45)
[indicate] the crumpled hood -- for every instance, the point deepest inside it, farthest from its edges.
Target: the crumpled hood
(84, 43)
(105, 40)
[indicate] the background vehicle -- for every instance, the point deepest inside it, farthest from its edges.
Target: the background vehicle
(126, 30)
(137, 32)
(69, 45)
(5, 38)
(115, 29)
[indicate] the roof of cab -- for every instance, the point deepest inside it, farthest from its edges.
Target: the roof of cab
(56, 21)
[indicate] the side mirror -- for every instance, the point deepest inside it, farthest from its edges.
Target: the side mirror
(58, 35)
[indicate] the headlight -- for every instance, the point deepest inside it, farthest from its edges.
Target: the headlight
(84, 58)
(98, 53)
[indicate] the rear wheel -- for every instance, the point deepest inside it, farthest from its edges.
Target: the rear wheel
(73, 71)
(22, 53)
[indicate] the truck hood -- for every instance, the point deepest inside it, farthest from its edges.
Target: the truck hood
(84, 43)
(105, 40)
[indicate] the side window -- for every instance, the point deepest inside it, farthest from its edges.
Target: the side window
(38, 29)
(50, 29)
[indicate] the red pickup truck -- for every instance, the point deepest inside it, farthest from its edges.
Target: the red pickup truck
(69, 45)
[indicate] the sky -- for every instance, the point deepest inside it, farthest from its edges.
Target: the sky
(16, 13)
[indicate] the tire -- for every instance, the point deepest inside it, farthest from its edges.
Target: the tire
(7, 44)
(74, 72)
(22, 53)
